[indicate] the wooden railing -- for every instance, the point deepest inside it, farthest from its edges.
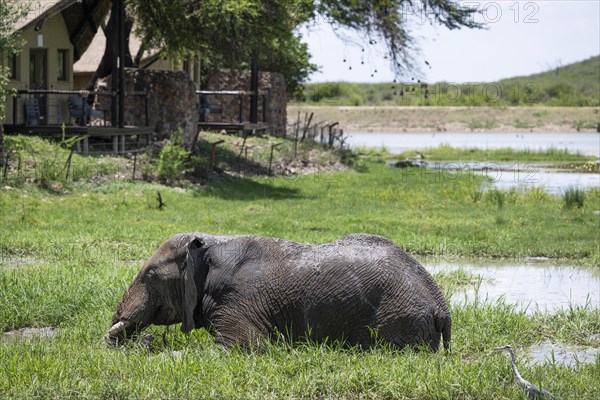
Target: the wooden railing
(240, 94)
(82, 93)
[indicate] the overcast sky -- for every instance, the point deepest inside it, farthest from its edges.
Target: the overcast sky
(522, 38)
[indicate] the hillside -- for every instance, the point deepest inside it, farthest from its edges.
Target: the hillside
(576, 84)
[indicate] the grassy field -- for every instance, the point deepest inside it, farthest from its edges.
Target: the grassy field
(572, 85)
(69, 248)
(449, 153)
(453, 119)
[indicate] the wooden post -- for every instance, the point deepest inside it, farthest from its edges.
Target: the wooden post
(239, 160)
(254, 89)
(271, 156)
(147, 104)
(296, 143)
(134, 165)
(121, 40)
(213, 151)
(331, 134)
(306, 126)
(15, 111)
(114, 83)
(297, 126)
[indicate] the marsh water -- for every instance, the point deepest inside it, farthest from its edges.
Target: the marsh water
(587, 143)
(531, 285)
(503, 175)
(522, 176)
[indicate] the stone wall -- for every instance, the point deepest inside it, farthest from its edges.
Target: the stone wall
(172, 102)
(271, 106)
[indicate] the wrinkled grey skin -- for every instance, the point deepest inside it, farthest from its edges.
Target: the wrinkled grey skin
(244, 289)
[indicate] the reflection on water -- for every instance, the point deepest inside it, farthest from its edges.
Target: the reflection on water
(553, 182)
(507, 175)
(529, 286)
(562, 354)
(587, 143)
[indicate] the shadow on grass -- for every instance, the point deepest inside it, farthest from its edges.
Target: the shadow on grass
(235, 188)
(232, 159)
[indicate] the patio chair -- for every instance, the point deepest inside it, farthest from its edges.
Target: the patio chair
(81, 112)
(32, 112)
(207, 108)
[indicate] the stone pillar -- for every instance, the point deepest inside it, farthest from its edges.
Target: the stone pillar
(172, 102)
(271, 108)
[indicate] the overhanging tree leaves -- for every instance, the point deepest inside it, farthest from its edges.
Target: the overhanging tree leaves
(230, 32)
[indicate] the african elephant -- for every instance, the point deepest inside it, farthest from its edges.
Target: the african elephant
(245, 289)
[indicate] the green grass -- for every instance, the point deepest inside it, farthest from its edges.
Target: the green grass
(68, 253)
(79, 299)
(449, 153)
(574, 197)
(577, 84)
(425, 211)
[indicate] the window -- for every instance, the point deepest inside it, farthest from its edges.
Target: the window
(62, 67)
(13, 62)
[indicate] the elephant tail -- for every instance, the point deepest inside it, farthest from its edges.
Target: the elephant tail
(444, 325)
(446, 331)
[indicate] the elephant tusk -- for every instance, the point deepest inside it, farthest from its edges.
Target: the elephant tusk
(116, 328)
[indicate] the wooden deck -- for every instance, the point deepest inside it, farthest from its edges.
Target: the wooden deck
(232, 126)
(118, 136)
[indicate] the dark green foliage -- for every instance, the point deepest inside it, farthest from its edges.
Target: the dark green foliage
(10, 43)
(173, 160)
(230, 33)
(574, 198)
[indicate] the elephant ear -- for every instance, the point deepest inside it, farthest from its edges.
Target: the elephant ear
(189, 272)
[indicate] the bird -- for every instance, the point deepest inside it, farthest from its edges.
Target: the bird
(531, 390)
(161, 203)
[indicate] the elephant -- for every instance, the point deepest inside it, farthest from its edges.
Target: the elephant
(245, 290)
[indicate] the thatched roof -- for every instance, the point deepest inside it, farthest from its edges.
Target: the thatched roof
(82, 17)
(90, 60)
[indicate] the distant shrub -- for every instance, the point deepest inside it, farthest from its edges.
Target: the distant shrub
(173, 159)
(560, 94)
(573, 198)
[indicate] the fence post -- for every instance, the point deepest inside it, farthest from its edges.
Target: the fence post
(271, 156)
(15, 111)
(147, 109)
(332, 134)
(213, 151)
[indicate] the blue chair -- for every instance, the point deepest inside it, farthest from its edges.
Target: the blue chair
(81, 112)
(206, 108)
(32, 112)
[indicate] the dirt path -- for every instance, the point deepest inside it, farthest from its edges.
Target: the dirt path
(454, 119)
